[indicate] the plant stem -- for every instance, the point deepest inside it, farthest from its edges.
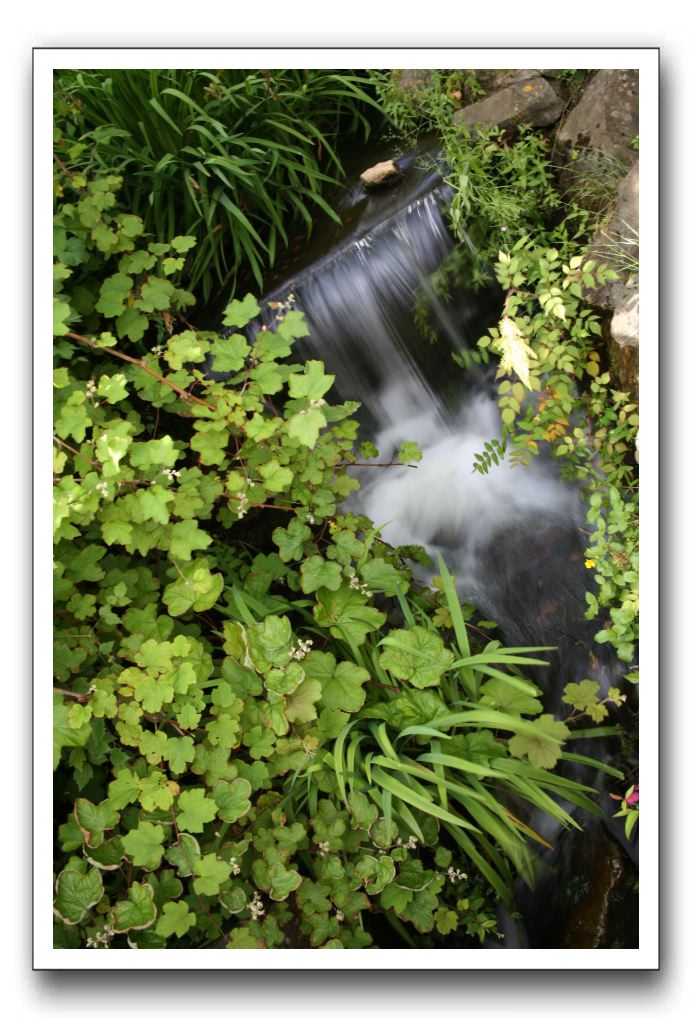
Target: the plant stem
(140, 364)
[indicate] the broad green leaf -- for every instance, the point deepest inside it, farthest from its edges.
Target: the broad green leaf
(76, 892)
(230, 354)
(138, 912)
(503, 696)
(341, 685)
(416, 655)
(114, 292)
(94, 819)
(306, 426)
(316, 572)
(375, 872)
(346, 614)
(542, 752)
(194, 810)
(211, 872)
(291, 541)
(312, 383)
(239, 312)
(232, 799)
(300, 705)
(175, 920)
(144, 844)
(183, 854)
(275, 477)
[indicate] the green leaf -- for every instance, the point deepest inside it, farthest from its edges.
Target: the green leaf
(195, 810)
(156, 294)
(582, 695)
(239, 312)
(176, 919)
(275, 879)
(375, 872)
(211, 873)
(363, 812)
(542, 747)
(185, 347)
(341, 685)
(409, 452)
(345, 613)
(138, 912)
(312, 383)
(115, 290)
(232, 799)
(183, 854)
(63, 733)
(61, 312)
(306, 426)
(300, 705)
(196, 589)
(183, 243)
(94, 819)
(76, 892)
(416, 655)
(230, 354)
(316, 572)
(112, 388)
(292, 540)
(187, 537)
(144, 844)
(504, 696)
(275, 477)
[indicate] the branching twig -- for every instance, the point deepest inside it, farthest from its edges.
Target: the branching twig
(140, 364)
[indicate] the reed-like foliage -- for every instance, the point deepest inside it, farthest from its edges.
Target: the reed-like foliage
(234, 157)
(453, 764)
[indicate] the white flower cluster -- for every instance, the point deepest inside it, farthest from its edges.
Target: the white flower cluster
(170, 474)
(303, 649)
(102, 486)
(411, 843)
(323, 847)
(339, 916)
(157, 351)
(91, 389)
(242, 506)
(256, 907)
(318, 402)
(102, 939)
(454, 875)
(235, 866)
(283, 306)
(356, 584)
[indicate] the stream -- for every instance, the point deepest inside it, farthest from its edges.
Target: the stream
(514, 537)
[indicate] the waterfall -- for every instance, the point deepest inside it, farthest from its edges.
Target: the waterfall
(514, 538)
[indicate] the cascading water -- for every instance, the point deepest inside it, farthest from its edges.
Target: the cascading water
(514, 538)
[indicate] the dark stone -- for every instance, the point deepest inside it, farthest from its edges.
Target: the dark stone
(532, 101)
(606, 118)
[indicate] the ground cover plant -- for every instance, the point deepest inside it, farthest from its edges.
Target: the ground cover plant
(265, 735)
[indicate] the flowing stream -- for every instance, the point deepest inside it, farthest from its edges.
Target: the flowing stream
(514, 537)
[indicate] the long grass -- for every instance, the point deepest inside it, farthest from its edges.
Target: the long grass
(235, 157)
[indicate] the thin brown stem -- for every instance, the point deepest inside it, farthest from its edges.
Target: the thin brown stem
(75, 452)
(140, 364)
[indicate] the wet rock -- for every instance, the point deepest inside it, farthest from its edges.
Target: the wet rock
(605, 120)
(382, 174)
(531, 101)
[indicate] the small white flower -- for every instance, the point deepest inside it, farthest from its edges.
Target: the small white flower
(454, 875)
(235, 867)
(323, 847)
(256, 907)
(339, 916)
